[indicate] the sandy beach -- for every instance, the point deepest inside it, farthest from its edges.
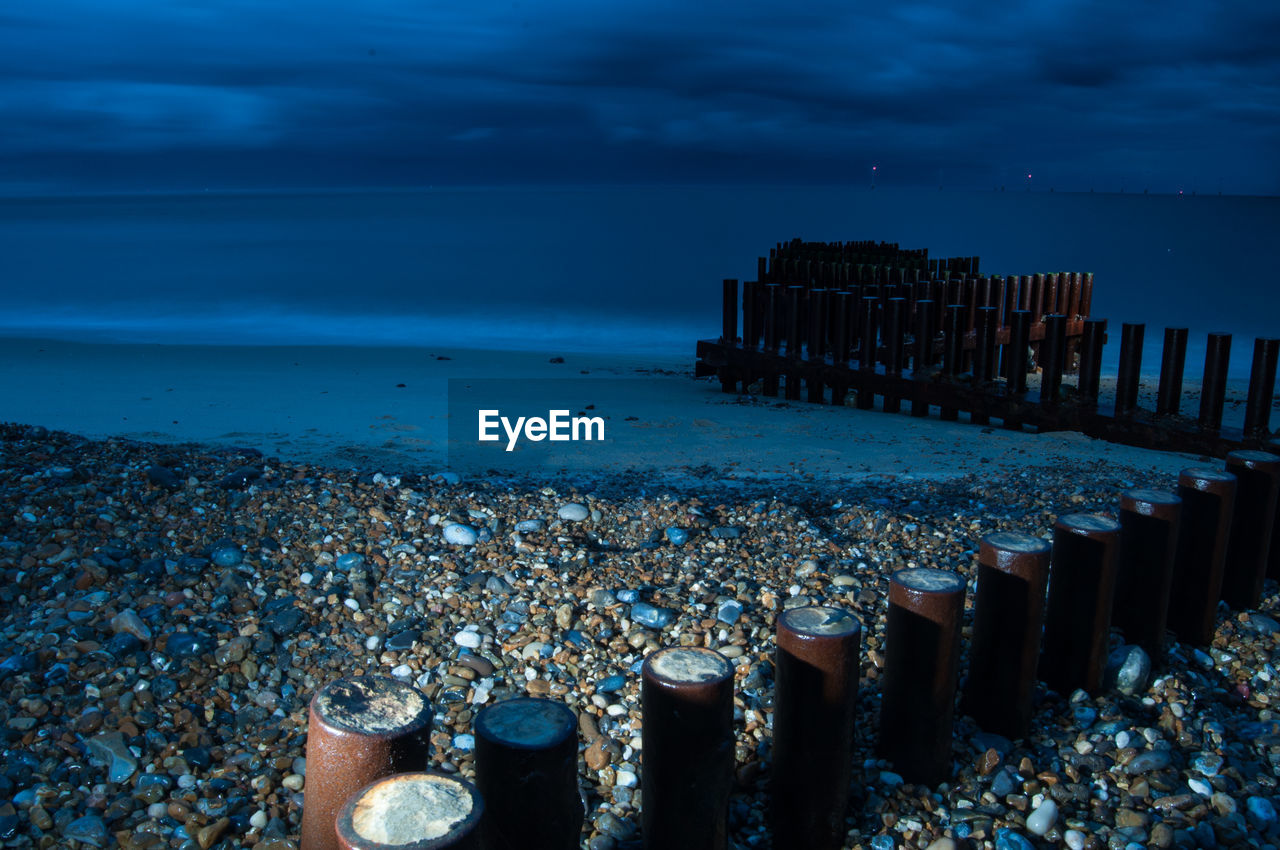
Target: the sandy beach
(388, 409)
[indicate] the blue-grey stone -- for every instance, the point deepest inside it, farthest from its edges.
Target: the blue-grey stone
(183, 645)
(498, 585)
(1261, 624)
(460, 535)
(614, 826)
(1262, 813)
(650, 616)
(349, 561)
(677, 536)
(1008, 839)
(122, 644)
(1204, 835)
(1084, 715)
(725, 532)
(21, 662)
(882, 842)
(89, 829)
(8, 827)
(284, 622)
(446, 477)
(602, 598)
(1148, 761)
(611, 684)
(1004, 782)
(227, 556)
(1129, 670)
(530, 526)
(1208, 764)
(628, 595)
(573, 512)
(983, 741)
(729, 611)
(238, 479)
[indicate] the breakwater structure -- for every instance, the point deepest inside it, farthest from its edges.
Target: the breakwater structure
(860, 321)
(1043, 611)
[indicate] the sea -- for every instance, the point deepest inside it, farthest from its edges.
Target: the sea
(627, 269)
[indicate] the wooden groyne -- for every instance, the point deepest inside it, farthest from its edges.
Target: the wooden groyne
(829, 321)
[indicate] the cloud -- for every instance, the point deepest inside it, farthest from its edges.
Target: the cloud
(564, 89)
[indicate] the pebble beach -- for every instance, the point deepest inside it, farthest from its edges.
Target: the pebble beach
(167, 611)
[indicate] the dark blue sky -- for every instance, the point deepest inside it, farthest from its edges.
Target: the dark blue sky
(189, 94)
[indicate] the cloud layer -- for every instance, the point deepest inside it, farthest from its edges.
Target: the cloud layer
(1081, 95)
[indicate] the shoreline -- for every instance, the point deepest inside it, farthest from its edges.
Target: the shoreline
(386, 409)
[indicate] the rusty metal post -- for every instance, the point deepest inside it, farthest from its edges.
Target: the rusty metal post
(1130, 368)
(840, 351)
(869, 348)
(1092, 338)
(1173, 360)
(1252, 533)
(527, 773)
(922, 367)
(952, 351)
(921, 660)
(815, 700)
(411, 811)
(1053, 351)
(750, 325)
(1208, 499)
(817, 348)
(729, 333)
(795, 321)
(1081, 589)
(1149, 523)
(1037, 298)
(1019, 340)
(1213, 390)
(895, 346)
(1262, 386)
(1008, 616)
(985, 351)
(687, 698)
(1086, 293)
(359, 729)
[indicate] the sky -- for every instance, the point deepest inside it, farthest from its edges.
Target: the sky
(179, 95)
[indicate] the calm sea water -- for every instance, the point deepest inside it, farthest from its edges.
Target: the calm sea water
(615, 269)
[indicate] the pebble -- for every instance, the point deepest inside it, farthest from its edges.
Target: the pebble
(1128, 670)
(1043, 818)
(1008, 839)
(573, 512)
(1148, 761)
(729, 611)
(469, 638)
(460, 535)
(1262, 813)
(227, 556)
(110, 749)
(650, 616)
(530, 526)
(88, 830)
(677, 536)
